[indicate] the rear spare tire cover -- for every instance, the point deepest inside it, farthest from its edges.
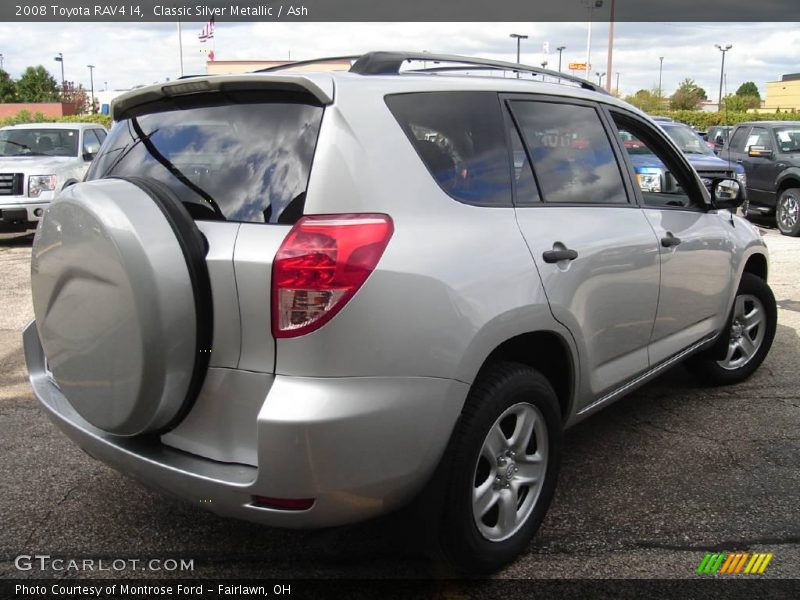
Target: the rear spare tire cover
(122, 301)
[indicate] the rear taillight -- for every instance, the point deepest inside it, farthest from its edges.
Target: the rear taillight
(320, 266)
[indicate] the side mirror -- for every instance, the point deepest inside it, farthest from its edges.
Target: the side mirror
(759, 152)
(89, 156)
(719, 141)
(727, 193)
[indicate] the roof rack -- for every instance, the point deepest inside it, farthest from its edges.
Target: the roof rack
(389, 63)
(302, 63)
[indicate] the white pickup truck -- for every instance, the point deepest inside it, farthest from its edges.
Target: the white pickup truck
(37, 161)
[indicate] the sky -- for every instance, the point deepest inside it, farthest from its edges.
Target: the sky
(129, 54)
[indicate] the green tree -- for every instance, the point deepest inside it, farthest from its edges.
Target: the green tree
(646, 100)
(8, 89)
(737, 103)
(688, 96)
(37, 85)
(748, 89)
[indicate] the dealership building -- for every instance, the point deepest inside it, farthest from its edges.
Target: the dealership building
(784, 94)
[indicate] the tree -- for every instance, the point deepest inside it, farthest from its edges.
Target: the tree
(37, 85)
(748, 89)
(76, 95)
(688, 96)
(646, 100)
(8, 89)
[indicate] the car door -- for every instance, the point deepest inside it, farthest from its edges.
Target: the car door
(694, 244)
(762, 168)
(595, 252)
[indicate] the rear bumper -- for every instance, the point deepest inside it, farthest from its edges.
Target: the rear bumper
(358, 446)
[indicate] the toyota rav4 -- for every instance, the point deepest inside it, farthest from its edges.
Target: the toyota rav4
(306, 299)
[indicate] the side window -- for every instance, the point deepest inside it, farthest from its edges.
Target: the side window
(91, 145)
(460, 138)
(572, 156)
(101, 135)
(758, 137)
(662, 179)
(738, 139)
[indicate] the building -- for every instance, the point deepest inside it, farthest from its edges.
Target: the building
(227, 67)
(784, 95)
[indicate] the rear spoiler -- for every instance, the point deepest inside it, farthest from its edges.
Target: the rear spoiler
(136, 102)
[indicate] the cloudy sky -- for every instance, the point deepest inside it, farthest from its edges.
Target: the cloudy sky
(127, 54)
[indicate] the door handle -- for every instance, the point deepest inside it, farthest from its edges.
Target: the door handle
(554, 256)
(670, 240)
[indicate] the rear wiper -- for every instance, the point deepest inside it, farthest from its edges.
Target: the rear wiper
(169, 166)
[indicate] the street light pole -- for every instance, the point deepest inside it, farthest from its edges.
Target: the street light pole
(609, 66)
(1, 61)
(519, 37)
(722, 49)
(91, 83)
(600, 78)
(560, 50)
(617, 88)
(60, 58)
(660, 69)
(591, 5)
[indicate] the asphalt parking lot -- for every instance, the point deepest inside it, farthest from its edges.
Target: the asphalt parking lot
(647, 487)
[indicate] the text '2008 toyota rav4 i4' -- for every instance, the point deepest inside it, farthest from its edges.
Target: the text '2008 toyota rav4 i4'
(315, 298)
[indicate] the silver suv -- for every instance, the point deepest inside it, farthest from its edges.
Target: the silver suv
(306, 299)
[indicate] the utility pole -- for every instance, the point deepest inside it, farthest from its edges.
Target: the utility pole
(660, 69)
(722, 49)
(609, 65)
(617, 88)
(91, 83)
(560, 50)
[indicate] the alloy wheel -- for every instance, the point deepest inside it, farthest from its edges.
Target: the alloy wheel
(509, 472)
(748, 328)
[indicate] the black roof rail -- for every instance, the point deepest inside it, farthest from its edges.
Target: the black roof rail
(301, 63)
(389, 63)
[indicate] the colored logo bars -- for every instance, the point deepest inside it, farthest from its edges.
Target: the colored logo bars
(734, 563)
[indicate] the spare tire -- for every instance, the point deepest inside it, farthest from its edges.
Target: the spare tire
(122, 299)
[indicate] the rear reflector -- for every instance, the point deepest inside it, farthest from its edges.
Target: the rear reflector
(321, 264)
(283, 503)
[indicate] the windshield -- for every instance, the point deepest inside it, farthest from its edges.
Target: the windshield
(39, 142)
(686, 139)
(788, 138)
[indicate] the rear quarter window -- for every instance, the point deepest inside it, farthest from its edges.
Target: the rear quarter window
(245, 161)
(460, 138)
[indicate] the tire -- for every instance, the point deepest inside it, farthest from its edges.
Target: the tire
(787, 212)
(511, 391)
(734, 360)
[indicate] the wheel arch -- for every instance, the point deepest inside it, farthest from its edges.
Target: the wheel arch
(756, 264)
(790, 178)
(549, 353)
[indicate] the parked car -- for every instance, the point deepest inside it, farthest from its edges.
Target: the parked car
(371, 289)
(652, 173)
(770, 155)
(718, 135)
(36, 162)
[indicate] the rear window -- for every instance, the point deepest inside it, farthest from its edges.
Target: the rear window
(247, 162)
(460, 138)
